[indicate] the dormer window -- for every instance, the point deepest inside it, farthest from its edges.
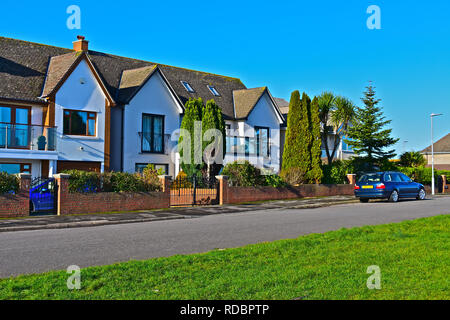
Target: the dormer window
(214, 91)
(188, 87)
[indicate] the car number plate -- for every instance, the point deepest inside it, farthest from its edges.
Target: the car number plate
(367, 187)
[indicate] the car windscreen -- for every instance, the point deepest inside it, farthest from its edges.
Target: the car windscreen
(370, 178)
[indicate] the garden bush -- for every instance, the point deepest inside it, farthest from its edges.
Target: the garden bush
(423, 175)
(336, 173)
(88, 182)
(294, 176)
(84, 181)
(8, 183)
(274, 180)
(243, 174)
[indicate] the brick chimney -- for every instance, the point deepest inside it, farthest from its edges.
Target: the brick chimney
(81, 44)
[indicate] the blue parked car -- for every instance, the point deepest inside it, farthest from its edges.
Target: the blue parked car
(42, 196)
(388, 185)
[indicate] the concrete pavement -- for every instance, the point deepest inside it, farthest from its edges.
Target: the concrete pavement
(92, 220)
(37, 251)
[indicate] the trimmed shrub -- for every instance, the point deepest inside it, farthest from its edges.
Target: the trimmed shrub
(243, 174)
(423, 175)
(275, 181)
(150, 177)
(8, 183)
(89, 182)
(335, 173)
(181, 181)
(123, 182)
(84, 181)
(294, 176)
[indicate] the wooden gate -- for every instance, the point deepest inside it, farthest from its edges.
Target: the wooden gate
(194, 191)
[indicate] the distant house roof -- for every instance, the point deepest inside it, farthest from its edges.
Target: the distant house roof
(283, 105)
(30, 71)
(245, 101)
(443, 145)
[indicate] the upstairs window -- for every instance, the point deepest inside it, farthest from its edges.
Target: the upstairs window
(214, 91)
(80, 123)
(152, 133)
(188, 87)
(262, 142)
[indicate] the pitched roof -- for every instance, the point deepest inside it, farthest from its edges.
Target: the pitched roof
(283, 105)
(59, 66)
(443, 145)
(132, 80)
(245, 100)
(24, 66)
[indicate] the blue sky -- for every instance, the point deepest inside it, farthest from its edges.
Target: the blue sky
(310, 46)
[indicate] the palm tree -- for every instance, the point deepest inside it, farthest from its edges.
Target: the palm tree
(336, 114)
(412, 159)
(326, 105)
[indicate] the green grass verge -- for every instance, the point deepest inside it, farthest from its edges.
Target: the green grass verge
(414, 258)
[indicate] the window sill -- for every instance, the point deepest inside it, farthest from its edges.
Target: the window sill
(156, 153)
(66, 136)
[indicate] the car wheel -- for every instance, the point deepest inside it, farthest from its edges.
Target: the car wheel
(364, 200)
(422, 195)
(394, 196)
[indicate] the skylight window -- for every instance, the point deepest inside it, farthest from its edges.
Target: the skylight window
(214, 91)
(187, 86)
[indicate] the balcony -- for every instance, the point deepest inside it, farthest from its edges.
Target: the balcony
(247, 146)
(27, 137)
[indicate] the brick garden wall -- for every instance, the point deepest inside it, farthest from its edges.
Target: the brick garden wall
(78, 203)
(82, 203)
(17, 205)
(12, 206)
(243, 194)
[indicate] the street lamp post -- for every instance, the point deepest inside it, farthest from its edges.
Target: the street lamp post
(432, 153)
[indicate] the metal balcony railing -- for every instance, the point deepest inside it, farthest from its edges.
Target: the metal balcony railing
(27, 137)
(154, 143)
(248, 146)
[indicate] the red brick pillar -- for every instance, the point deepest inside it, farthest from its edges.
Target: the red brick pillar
(62, 181)
(444, 184)
(24, 192)
(351, 179)
(165, 185)
(223, 189)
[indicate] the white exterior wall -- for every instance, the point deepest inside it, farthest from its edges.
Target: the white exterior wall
(263, 115)
(36, 115)
(153, 98)
(83, 97)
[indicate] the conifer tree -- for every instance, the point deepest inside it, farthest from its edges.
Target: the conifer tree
(291, 156)
(192, 114)
(306, 138)
(316, 173)
(368, 136)
(212, 119)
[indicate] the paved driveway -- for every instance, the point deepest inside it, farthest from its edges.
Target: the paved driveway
(24, 252)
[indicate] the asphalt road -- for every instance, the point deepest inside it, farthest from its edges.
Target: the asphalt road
(26, 252)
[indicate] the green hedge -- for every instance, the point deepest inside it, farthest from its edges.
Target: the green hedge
(8, 183)
(244, 174)
(336, 173)
(91, 182)
(423, 175)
